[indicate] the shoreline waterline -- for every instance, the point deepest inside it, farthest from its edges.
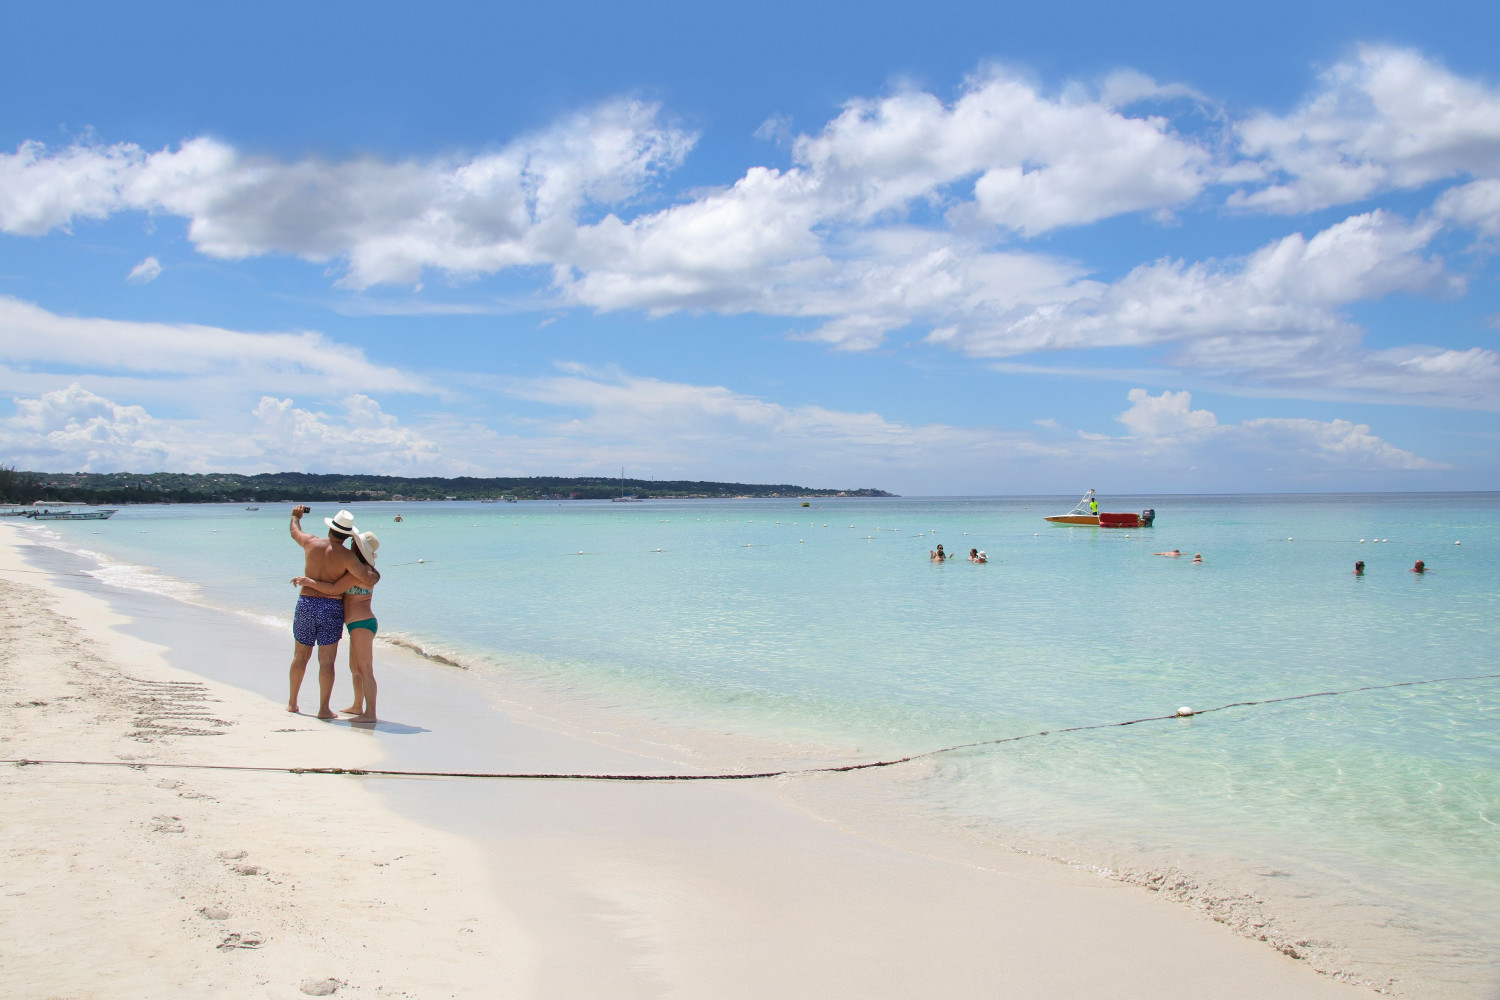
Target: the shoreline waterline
(1035, 819)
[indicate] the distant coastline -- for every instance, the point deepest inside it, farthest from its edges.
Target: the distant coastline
(173, 487)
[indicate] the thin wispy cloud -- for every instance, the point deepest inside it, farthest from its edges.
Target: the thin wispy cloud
(145, 272)
(190, 353)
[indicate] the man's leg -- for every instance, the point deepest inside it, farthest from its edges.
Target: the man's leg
(326, 656)
(300, 655)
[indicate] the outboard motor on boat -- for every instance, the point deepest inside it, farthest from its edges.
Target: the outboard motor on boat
(1147, 516)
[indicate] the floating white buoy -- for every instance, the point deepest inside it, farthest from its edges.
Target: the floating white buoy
(1289, 539)
(580, 552)
(420, 561)
(1036, 534)
(1184, 712)
(1361, 541)
(799, 541)
(1458, 543)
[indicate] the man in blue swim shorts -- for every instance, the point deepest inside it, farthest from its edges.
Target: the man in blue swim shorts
(319, 620)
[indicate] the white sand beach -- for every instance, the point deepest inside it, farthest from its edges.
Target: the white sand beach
(150, 881)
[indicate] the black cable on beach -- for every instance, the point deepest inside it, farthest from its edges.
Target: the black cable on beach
(748, 775)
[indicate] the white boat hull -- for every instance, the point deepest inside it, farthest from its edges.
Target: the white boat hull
(1092, 519)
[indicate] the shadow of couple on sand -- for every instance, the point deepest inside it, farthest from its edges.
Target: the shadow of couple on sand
(382, 726)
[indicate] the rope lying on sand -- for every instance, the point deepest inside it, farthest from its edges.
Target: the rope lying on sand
(741, 776)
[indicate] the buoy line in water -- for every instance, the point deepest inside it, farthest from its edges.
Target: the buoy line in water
(1181, 713)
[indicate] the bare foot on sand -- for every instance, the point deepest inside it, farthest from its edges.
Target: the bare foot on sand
(364, 720)
(324, 714)
(351, 710)
(293, 708)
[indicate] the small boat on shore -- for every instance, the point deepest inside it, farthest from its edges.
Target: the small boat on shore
(1086, 512)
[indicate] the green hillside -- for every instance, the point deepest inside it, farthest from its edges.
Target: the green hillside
(172, 487)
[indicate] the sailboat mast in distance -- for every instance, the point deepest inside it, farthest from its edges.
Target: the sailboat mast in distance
(624, 497)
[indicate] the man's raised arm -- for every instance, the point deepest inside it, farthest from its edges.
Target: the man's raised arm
(298, 535)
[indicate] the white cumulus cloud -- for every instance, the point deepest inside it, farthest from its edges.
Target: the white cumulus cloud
(1170, 431)
(387, 221)
(1389, 118)
(74, 429)
(1168, 426)
(363, 438)
(908, 211)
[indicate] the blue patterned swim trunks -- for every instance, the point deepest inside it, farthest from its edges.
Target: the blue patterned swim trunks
(319, 621)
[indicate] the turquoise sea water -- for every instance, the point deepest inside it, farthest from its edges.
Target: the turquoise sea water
(827, 631)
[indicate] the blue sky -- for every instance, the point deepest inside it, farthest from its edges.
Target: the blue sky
(959, 248)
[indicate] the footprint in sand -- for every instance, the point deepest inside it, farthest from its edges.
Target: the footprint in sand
(168, 784)
(231, 855)
(320, 987)
(247, 869)
(213, 913)
(166, 824)
(252, 939)
(195, 795)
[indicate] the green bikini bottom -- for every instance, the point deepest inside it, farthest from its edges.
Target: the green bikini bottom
(368, 623)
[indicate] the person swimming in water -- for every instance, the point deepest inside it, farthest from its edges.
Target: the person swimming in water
(1359, 568)
(1419, 568)
(939, 555)
(1170, 553)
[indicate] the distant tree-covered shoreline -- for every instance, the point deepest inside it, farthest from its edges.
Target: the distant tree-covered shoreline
(213, 487)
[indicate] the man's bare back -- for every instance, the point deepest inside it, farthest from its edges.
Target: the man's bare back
(324, 559)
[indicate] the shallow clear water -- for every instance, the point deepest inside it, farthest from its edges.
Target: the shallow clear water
(828, 625)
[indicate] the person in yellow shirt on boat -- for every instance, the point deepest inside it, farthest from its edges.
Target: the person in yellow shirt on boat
(1093, 504)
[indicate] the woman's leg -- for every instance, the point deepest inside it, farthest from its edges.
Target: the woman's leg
(362, 665)
(357, 706)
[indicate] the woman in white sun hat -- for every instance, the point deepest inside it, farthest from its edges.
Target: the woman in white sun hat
(359, 620)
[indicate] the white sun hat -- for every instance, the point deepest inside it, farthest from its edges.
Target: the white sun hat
(342, 522)
(368, 545)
